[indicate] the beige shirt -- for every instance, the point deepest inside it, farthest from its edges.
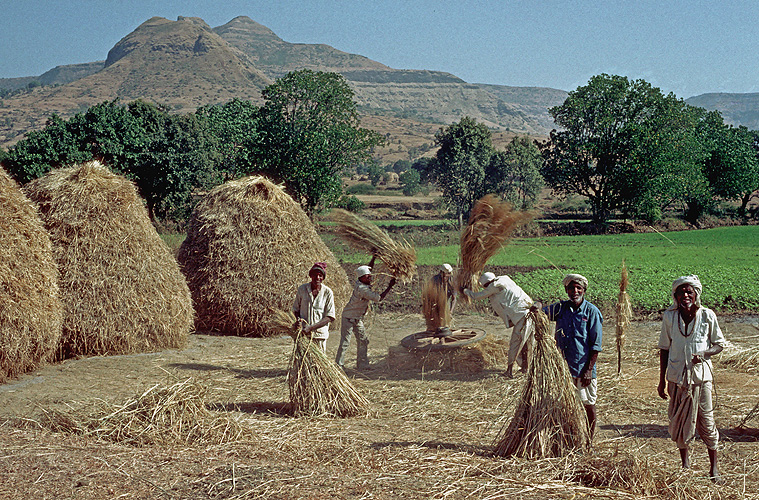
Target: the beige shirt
(507, 299)
(314, 309)
(359, 301)
(701, 334)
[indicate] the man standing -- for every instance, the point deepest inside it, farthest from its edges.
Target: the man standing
(314, 305)
(511, 304)
(690, 336)
(578, 336)
(442, 280)
(352, 321)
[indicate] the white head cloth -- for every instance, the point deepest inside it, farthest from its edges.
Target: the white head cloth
(579, 278)
(691, 280)
(446, 268)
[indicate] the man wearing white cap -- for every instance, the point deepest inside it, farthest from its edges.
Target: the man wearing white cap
(352, 320)
(512, 304)
(690, 336)
(578, 336)
(314, 305)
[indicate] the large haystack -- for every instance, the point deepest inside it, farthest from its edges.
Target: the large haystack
(248, 247)
(30, 311)
(121, 288)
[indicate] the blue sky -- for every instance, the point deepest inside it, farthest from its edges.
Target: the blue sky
(685, 47)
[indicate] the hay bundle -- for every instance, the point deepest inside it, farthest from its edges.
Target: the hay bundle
(362, 235)
(121, 289)
(177, 413)
(435, 307)
(317, 385)
(549, 420)
(30, 310)
(490, 225)
(248, 248)
(624, 314)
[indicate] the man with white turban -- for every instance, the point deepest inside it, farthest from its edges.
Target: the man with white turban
(690, 336)
(511, 304)
(578, 337)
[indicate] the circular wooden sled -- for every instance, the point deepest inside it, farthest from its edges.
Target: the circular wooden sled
(428, 341)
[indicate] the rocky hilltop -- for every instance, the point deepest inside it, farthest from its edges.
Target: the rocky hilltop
(185, 63)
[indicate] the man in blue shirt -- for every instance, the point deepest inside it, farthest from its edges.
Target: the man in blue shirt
(578, 336)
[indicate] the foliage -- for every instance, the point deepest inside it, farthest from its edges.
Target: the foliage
(459, 169)
(350, 203)
(361, 189)
(426, 169)
(375, 173)
(401, 166)
(409, 181)
(235, 126)
(514, 174)
(309, 132)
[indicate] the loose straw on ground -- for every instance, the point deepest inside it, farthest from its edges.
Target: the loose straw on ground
(624, 314)
(549, 420)
(490, 225)
(317, 385)
(362, 235)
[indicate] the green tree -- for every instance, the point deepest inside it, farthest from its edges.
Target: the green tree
(464, 153)
(235, 126)
(309, 133)
(621, 143)
(514, 174)
(375, 171)
(409, 181)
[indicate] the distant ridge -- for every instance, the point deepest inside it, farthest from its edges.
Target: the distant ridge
(736, 109)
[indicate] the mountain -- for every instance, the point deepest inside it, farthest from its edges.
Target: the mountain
(185, 63)
(736, 109)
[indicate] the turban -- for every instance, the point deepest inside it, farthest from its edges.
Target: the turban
(579, 278)
(691, 280)
(319, 267)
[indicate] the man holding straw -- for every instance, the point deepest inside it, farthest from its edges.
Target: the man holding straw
(314, 305)
(511, 304)
(352, 321)
(690, 336)
(578, 337)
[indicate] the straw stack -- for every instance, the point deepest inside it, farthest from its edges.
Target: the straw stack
(30, 309)
(549, 420)
(435, 307)
(490, 225)
(624, 315)
(362, 235)
(121, 288)
(248, 248)
(317, 385)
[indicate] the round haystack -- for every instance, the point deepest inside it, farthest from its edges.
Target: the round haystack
(30, 310)
(248, 248)
(121, 288)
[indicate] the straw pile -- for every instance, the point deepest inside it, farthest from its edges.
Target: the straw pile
(317, 385)
(121, 289)
(30, 310)
(490, 225)
(549, 420)
(173, 414)
(489, 353)
(248, 248)
(435, 307)
(362, 235)
(624, 314)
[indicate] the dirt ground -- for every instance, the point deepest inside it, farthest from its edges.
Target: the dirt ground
(428, 435)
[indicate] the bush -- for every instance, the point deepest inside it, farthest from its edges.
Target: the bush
(350, 203)
(361, 189)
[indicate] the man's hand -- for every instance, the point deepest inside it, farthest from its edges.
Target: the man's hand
(662, 389)
(586, 378)
(536, 306)
(468, 292)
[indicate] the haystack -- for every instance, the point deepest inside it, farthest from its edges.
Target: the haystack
(30, 310)
(248, 248)
(549, 420)
(121, 288)
(491, 224)
(317, 385)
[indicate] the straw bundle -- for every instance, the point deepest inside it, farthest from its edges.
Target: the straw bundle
(490, 225)
(317, 385)
(30, 310)
(121, 288)
(435, 307)
(161, 415)
(248, 248)
(549, 420)
(624, 314)
(362, 235)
